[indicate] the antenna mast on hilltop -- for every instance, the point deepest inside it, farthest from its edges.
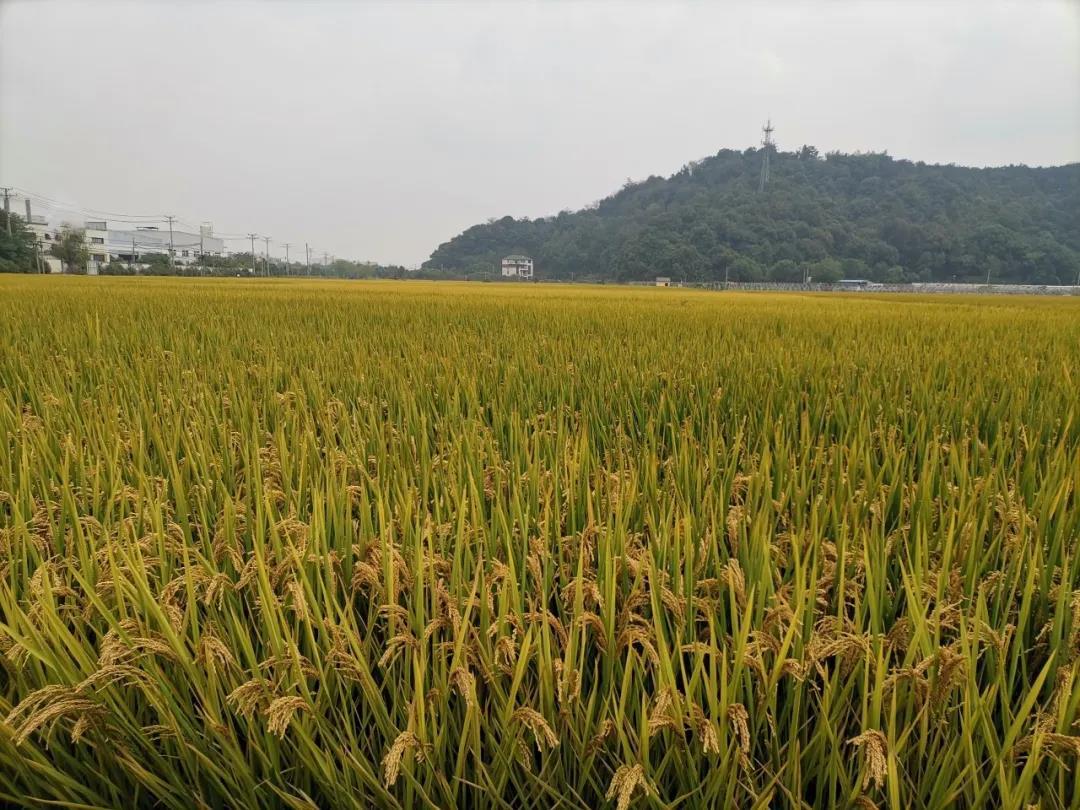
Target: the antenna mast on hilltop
(768, 143)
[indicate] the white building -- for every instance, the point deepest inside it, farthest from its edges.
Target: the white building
(96, 235)
(187, 247)
(47, 235)
(517, 267)
(44, 236)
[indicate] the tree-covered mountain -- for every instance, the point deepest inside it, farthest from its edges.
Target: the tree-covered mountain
(839, 215)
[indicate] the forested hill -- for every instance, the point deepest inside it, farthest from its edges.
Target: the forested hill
(839, 215)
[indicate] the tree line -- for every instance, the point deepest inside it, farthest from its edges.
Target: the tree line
(824, 217)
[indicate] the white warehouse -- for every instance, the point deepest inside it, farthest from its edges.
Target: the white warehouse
(187, 247)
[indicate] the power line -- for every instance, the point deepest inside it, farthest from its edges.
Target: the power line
(137, 222)
(69, 206)
(115, 216)
(89, 213)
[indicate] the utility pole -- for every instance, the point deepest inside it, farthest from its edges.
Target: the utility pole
(252, 237)
(37, 246)
(768, 143)
(172, 249)
(267, 240)
(307, 257)
(286, 244)
(7, 209)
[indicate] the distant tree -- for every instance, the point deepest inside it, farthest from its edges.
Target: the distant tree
(116, 268)
(854, 269)
(786, 270)
(17, 252)
(156, 264)
(894, 275)
(826, 271)
(70, 248)
(745, 268)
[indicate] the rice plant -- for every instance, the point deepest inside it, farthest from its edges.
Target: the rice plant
(273, 544)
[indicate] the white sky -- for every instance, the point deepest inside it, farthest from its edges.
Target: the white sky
(377, 131)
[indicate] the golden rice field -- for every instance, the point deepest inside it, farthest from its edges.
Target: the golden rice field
(352, 545)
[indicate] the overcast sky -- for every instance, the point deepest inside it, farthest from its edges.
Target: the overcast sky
(377, 131)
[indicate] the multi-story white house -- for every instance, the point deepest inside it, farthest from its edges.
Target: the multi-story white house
(97, 233)
(46, 235)
(517, 267)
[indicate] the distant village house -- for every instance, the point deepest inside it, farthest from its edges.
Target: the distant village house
(517, 267)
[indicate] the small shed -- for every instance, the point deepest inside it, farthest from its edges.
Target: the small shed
(663, 281)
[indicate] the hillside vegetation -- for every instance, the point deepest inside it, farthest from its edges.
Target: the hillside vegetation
(841, 215)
